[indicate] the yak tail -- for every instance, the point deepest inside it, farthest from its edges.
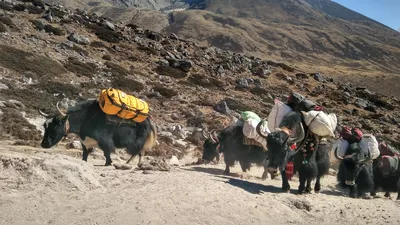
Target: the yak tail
(151, 140)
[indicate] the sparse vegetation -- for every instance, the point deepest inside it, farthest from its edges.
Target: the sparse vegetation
(129, 84)
(164, 91)
(22, 61)
(55, 30)
(116, 69)
(80, 68)
(169, 71)
(12, 123)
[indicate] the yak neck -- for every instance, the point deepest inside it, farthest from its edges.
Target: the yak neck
(77, 115)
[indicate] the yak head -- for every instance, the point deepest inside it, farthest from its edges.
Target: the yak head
(55, 128)
(210, 146)
(353, 162)
(278, 145)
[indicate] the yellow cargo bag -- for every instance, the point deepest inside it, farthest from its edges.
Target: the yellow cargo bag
(116, 102)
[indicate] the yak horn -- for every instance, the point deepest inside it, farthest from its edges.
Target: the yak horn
(43, 114)
(205, 134)
(259, 130)
(63, 114)
(214, 136)
(337, 156)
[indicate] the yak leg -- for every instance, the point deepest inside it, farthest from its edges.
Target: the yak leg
(317, 186)
(107, 146)
(245, 166)
(85, 152)
(302, 180)
(227, 170)
(353, 190)
(398, 195)
(387, 194)
(285, 182)
(130, 159)
(308, 187)
(265, 174)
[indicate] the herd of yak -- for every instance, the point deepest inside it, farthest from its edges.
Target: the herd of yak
(306, 154)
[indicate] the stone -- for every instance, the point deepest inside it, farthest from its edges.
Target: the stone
(361, 103)
(173, 161)
(318, 77)
(14, 104)
(3, 86)
(301, 76)
(222, 107)
(181, 144)
(184, 65)
(78, 39)
(74, 145)
(175, 116)
(108, 24)
(242, 83)
(173, 36)
(39, 24)
(120, 166)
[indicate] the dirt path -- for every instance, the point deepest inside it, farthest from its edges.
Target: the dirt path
(53, 188)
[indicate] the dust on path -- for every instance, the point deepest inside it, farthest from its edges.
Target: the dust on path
(53, 188)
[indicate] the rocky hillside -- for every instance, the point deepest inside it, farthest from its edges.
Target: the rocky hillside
(71, 54)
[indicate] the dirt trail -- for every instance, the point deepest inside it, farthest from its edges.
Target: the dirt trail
(42, 187)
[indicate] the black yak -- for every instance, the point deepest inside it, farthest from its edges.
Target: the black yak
(94, 129)
(230, 142)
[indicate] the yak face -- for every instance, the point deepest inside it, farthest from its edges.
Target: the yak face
(277, 150)
(353, 163)
(54, 131)
(210, 150)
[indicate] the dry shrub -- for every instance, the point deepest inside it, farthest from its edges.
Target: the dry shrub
(31, 98)
(12, 123)
(6, 20)
(55, 30)
(105, 33)
(116, 69)
(106, 57)
(164, 91)
(129, 84)
(206, 82)
(80, 68)
(22, 61)
(52, 87)
(169, 71)
(97, 44)
(80, 50)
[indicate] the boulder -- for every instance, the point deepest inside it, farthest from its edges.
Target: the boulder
(222, 107)
(173, 161)
(74, 145)
(3, 86)
(182, 64)
(78, 39)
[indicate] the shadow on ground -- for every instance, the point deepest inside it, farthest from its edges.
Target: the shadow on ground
(253, 188)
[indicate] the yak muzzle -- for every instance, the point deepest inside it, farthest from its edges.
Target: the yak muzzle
(350, 182)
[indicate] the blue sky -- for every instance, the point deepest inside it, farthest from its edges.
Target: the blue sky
(384, 11)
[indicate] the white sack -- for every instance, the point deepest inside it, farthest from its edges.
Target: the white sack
(369, 141)
(250, 131)
(276, 115)
(323, 125)
(341, 145)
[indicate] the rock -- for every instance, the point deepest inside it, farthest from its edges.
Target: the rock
(154, 36)
(2, 104)
(222, 107)
(301, 204)
(109, 25)
(1, 112)
(181, 144)
(163, 62)
(3, 86)
(301, 76)
(68, 44)
(14, 104)
(166, 137)
(242, 83)
(173, 161)
(184, 65)
(175, 116)
(318, 77)
(74, 145)
(79, 39)
(120, 166)
(39, 24)
(155, 165)
(361, 103)
(179, 132)
(173, 36)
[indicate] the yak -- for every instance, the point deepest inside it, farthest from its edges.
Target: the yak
(97, 129)
(311, 157)
(388, 180)
(356, 171)
(230, 142)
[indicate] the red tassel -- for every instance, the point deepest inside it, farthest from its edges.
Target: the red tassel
(289, 170)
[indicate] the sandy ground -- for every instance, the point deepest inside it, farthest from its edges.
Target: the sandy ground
(56, 187)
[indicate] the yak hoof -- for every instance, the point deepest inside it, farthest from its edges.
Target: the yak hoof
(387, 195)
